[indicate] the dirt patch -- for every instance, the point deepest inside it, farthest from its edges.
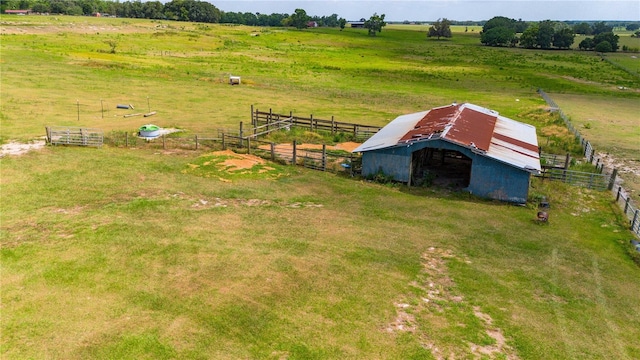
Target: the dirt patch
(237, 161)
(439, 290)
(15, 148)
(205, 203)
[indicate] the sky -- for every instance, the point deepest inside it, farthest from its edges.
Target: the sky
(459, 10)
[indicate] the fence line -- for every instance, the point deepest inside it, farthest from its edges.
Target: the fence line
(263, 119)
(629, 208)
(619, 66)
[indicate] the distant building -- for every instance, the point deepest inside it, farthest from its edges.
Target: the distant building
(464, 146)
(357, 24)
(312, 24)
(17, 12)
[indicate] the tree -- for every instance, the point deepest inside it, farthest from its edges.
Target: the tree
(604, 46)
(343, 23)
(529, 38)
(499, 21)
(609, 37)
(299, 19)
(586, 44)
(441, 28)
(633, 27)
(375, 24)
(582, 29)
(545, 34)
(600, 27)
(563, 38)
(498, 36)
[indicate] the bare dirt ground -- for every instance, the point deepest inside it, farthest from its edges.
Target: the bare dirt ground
(239, 161)
(440, 294)
(15, 148)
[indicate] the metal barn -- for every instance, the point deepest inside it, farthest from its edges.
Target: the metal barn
(461, 146)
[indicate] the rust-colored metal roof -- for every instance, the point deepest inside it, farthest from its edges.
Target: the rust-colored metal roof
(481, 130)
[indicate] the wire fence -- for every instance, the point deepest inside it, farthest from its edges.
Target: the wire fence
(623, 197)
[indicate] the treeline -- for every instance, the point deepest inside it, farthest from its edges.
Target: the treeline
(503, 31)
(178, 10)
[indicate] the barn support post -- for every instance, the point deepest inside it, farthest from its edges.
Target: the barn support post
(293, 160)
(612, 180)
(273, 152)
(410, 169)
(324, 157)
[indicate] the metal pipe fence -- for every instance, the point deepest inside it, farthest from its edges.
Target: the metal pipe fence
(623, 199)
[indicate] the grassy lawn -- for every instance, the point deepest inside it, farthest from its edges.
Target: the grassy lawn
(134, 253)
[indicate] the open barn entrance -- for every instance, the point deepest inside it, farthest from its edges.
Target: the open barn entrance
(440, 167)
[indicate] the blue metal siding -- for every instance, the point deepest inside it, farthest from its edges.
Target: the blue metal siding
(391, 161)
(495, 180)
(489, 178)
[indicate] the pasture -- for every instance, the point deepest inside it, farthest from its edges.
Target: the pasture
(138, 253)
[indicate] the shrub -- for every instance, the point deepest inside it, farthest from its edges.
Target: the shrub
(604, 46)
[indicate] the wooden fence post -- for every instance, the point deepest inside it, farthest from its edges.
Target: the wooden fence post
(126, 141)
(273, 152)
(48, 134)
(324, 157)
(618, 194)
(635, 218)
(249, 145)
(294, 153)
(241, 137)
(254, 121)
(164, 143)
(196, 141)
(566, 161)
(224, 146)
(612, 180)
(626, 204)
(311, 122)
(333, 124)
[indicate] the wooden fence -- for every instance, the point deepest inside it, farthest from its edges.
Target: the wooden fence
(323, 159)
(69, 135)
(270, 120)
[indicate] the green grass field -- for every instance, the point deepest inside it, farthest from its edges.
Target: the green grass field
(148, 254)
